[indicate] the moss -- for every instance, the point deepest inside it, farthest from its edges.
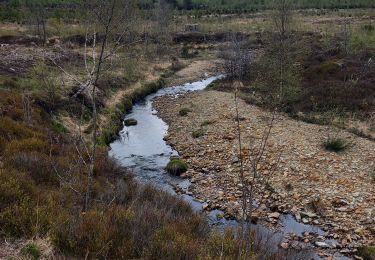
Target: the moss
(197, 133)
(184, 111)
(367, 252)
(336, 144)
(130, 122)
(31, 250)
(176, 166)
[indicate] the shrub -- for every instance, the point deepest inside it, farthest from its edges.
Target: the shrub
(130, 122)
(37, 165)
(186, 53)
(197, 133)
(368, 28)
(3, 144)
(336, 144)
(329, 67)
(366, 252)
(225, 244)
(13, 187)
(13, 129)
(26, 145)
(176, 166)
(169, 243)
(184, 111)
(58, 127)
(31, 250)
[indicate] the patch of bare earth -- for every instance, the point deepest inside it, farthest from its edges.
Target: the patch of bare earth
(196, 70)
(332, 190)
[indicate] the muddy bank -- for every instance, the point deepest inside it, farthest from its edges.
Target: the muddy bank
(330, 190)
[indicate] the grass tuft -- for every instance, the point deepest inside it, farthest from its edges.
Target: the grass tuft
(373, 175)
(336, 144)
(366, 252)
(31, 250)
(184, 111)
(197, 133)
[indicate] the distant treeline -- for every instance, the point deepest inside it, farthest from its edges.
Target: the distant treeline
(253, 5)
(11, 10)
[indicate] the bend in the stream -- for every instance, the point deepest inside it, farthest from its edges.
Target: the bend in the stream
(142, 148)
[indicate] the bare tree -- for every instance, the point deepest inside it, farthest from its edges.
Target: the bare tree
(163, 17)
(282, 20)
(249, 173)
(238, 58)
(107, 25)
(279, 70)
(38, 10)
(26, 103)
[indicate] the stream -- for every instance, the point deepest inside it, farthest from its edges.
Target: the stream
(142, 149)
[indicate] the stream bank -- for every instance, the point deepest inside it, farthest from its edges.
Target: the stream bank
(330, 190)
(143, 149)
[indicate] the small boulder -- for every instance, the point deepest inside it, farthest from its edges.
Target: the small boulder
(130, 122)
(274, 215)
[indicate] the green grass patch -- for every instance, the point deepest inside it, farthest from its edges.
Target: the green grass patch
(58, 127)
(336, 144)
(214, 85)
(31, 250)
(176, 167)
(372, 175)
(367, 252)
(197, 133)
(184, 111)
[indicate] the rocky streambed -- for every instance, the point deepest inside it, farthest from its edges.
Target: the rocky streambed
(332, 191)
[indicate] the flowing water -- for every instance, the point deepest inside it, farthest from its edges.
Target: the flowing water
(142, 149)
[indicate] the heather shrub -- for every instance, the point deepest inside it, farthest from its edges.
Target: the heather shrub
(169, 243)
(3, 143)
(12, 129)
(222, 244)
(14, 186)
(37, 165)
(26, 145)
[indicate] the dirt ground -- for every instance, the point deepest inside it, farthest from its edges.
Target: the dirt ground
(332, 190)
